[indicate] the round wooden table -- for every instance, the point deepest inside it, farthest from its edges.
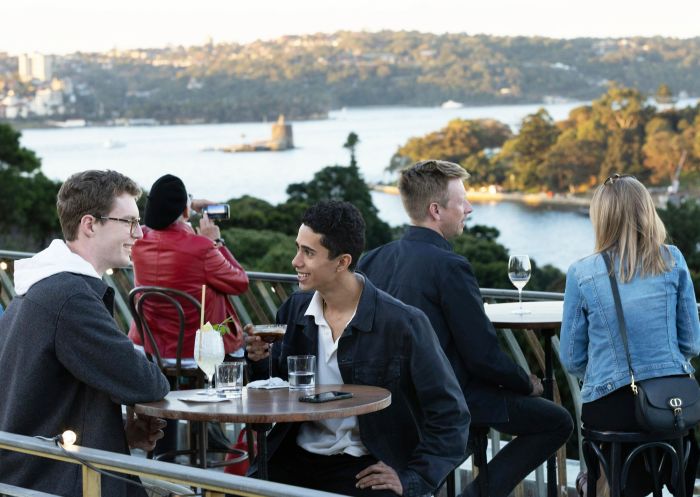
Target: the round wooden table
(543, 317)
(260, 408)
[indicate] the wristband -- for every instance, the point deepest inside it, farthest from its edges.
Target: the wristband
(221, 242)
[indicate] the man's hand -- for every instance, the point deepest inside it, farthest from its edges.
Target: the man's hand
(256, 348)
(537, 388)
(199, 203)
(208, 228)
(142, 432)
(379, 477)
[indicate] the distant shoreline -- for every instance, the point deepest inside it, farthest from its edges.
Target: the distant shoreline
(532, 199)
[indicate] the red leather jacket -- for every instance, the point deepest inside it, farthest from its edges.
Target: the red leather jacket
(176, 257)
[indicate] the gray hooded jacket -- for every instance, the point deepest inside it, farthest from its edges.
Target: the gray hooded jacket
(66, 365)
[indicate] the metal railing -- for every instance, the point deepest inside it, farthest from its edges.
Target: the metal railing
(209, 483)
(268, 290)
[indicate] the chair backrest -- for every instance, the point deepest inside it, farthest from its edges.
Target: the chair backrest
(138, 296)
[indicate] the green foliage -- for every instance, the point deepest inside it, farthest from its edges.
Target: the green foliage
(27, 197)
(341, 183)
(526, 151)
(308, 75)
(489, 259)
(664, 95)
(465, 142)
(261, 250)
(351, 145)
(617, 133)
(262, 235)
(684, 231)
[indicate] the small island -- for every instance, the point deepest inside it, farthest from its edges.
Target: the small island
(282, 139)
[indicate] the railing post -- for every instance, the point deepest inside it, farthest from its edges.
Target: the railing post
(92, 483)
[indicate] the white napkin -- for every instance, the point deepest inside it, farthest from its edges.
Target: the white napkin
(203, 398)
(271, 385)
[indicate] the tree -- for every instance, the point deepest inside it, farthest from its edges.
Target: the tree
(684, 231)
(261, 250)
(26, 193)
(469, 143)
(342, 183)
(669, 143)
(351, 144)
(570, 162)
(664, 95)
(622, 112)
(528, 149)
(490, 261)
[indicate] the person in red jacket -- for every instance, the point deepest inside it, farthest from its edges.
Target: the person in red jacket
(171, 254)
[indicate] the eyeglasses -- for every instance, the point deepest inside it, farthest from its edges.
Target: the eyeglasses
(612, 179)
(133, 223)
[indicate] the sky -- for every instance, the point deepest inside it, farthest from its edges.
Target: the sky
(66, 26)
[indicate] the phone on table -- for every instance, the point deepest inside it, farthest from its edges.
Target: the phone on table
(325, 397)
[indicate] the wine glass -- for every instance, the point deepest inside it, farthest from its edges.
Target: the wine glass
(270, 333)
(519, 273)
(208, 353)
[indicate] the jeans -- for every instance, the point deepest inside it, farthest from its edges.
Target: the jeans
(540, 428)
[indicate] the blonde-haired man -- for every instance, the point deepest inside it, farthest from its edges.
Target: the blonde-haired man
(422, 270)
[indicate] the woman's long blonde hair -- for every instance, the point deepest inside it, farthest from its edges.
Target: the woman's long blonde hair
(626, 224)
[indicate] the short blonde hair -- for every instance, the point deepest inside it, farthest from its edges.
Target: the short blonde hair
(426, 182)
(626, 224)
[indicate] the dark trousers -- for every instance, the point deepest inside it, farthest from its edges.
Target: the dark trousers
(615, 412)
(540, 427)
(294, 466)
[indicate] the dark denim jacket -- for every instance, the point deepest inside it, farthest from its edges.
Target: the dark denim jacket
(423, 433)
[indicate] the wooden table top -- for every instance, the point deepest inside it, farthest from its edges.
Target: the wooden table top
(269, 406)
(543, 315)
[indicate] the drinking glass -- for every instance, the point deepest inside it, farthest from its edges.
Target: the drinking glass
(270, 333)
(519, 273)
(208, 353)
(229, 380)
(302, 372)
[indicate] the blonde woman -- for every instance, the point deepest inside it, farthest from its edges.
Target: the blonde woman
(659, 307)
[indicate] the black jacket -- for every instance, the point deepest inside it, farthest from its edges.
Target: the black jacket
(423, 433)
(66, 365)
(421, 270)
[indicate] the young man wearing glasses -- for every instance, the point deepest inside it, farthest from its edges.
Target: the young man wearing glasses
(65, 363)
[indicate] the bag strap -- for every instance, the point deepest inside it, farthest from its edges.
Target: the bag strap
(620, 315)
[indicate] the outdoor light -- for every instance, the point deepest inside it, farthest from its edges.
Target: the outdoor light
(68, 438)
(3, 266)
(110, 272)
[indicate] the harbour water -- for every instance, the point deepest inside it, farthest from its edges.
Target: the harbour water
(549, 235)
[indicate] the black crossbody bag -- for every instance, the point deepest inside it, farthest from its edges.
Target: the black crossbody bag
(664, 404)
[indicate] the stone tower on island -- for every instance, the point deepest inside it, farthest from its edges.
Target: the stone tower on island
(282, 138)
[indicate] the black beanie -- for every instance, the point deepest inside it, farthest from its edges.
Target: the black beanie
(166, 202)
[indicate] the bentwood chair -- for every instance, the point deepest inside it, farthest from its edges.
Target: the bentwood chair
(177, 369)
(652, 447)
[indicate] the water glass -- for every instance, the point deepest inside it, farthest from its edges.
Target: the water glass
(302, 372)
(229, 379)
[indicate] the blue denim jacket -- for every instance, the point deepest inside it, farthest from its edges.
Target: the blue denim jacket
(662, 325)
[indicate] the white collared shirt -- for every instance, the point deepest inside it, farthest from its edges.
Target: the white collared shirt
(330, 436)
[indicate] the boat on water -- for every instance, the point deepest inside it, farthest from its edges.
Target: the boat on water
(451, 104)
(113, 144)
